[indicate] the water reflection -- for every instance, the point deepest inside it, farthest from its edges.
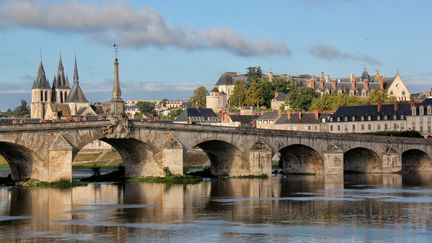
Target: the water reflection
(356, 207)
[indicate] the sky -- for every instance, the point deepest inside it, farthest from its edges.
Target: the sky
(168, 48)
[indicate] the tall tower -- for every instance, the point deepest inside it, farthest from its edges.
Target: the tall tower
(61, 86)
(41, 94)
(117, 104)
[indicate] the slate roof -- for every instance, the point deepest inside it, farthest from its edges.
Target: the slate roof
(305, 118)
(244, 119)
(41, 82)
(76, 94)
(197, 115)
(427, 101)
(271, 115)
(371, 110)
(229, 78)
(281, 96)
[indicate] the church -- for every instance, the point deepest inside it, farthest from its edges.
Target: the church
(59, 100)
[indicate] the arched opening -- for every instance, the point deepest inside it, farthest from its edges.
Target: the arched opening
(300, 159)
(135, 155)
(195, 159)
(415, 160)
(362, 160)
(20, 160)
(96, 154)
(225, 158)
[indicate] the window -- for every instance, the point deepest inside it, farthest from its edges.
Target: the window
(378, 127)
(429, 110)
(429, 129)
(353, 128)
(338, 127)
(353, 118)
(385, 126)
(394, 126)
(362, 118)
(421, 128)
(331, 127)
(369, 127)
(421, 110)
(309, 128)
(378, 118)
(413, 111)
(369, 118)
(402, 126)
(346, 118)
(362, 127)
(394, 117)
(338, 119)
(402, 117)
(385, 118)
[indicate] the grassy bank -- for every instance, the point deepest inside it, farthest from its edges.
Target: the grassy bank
(61, 184)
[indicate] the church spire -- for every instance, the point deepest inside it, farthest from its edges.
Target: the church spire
(75, 75)
(41, 81)
(117, 108)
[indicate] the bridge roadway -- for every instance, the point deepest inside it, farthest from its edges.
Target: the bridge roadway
(45, 151)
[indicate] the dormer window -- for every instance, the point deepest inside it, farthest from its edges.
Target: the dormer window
(402, 117)
(338, 119)
(385, 118)
(413, 111)
(353, 118)
(346, 118)
(362, 118)
(369, 118)
(394, 117)
(378, 118)
(421, 110)
(429, 110)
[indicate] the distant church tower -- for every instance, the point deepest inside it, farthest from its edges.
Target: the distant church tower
(76, 98)
(117, 104)
(60, 88)
(41, 94)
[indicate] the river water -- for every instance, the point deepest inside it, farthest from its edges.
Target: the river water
(356, 208)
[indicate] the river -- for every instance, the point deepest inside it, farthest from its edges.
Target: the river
(386, 208)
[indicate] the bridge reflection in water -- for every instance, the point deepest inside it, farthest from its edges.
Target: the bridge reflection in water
(230, 209)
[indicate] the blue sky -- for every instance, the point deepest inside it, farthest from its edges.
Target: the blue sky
(167, 48)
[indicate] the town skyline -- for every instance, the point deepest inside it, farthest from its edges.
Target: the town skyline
(176, 52)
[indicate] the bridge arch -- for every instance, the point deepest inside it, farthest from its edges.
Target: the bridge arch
(21, 160)
(225, 158)
(362, 160)
(300, 159)
(137, 156)
(415, 160)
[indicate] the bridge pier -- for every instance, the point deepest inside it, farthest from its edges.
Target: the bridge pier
(172, 156)
(59, 162)
(391, 163)
(260, 156)
(333, 163)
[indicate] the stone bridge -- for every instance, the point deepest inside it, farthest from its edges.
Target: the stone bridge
(45, 151)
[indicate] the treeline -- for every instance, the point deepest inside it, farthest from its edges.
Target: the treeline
(21, 111)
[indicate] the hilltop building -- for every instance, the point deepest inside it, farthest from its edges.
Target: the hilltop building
(216, 100)
(59, 100)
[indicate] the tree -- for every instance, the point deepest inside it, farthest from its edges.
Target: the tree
(138, 115)
(253, 74)
(380, 96)
(239, 94)
(198, 98)
(22, 110)
(146, 107)
(253, 95)
(174, 113)
(301, 98)
(333, 101)
(266, 92)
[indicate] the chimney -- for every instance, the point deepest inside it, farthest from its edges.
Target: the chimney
(379, 107)
(312, 83)
(396, 106)
(366, 84)
(353, 82)
(316, 115)
(381, 81)
(300, 115)
(334, 87)
(321, 84)
(289, 115)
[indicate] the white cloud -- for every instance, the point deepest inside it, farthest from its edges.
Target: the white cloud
(332, 53)
(131, 27)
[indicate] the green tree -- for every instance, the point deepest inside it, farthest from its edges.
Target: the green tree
(174, 113)
(198, 98)
(146, 107)
(253, 95)
(380, 96)
(239, 94)
(138, 115)
(266, 91)
(21, 111)
(333, 101)
(253, 74)
(301, 98)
